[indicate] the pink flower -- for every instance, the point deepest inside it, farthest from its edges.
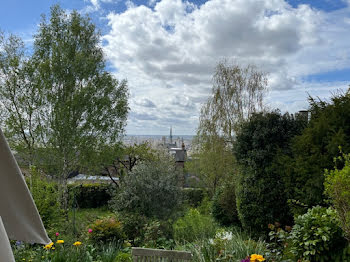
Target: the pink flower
(90, 230)
(57, 234)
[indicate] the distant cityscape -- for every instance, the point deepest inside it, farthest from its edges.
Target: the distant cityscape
(156, 141)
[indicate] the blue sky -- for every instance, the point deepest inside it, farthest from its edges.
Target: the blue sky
(302, 44)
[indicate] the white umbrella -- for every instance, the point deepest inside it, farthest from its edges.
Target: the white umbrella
(19, 217)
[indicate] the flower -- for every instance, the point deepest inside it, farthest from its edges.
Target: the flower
(77, 243)
(57, 234)
(60, 241)
(256, 258)
(288, 228)
(48, 246)
(90, 230)
(245, 260)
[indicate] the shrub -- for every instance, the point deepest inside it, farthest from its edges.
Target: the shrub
(224, 207)
(45, 195)
(123, 257)
(105, 230)
(315, 148)
(261, 192)
(151, 189)
(194, 226)
(90, 195)
(193, 196)
(337, 185)
(133, 227)
(158, 235)
(316, 236)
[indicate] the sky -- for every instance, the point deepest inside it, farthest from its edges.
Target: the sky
(168, 50)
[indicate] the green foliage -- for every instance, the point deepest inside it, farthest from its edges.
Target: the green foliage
(19, 97)
(68, 102)
(158, 234)
(67, 253)
(279, 243)
(261, 197)
(194, 226)
(237, 93)
(337, 187)
(150, 189)
(226, 246)
(106, 230)
(212, 161)
(45, 195)
(119, 159)
(315, 148)
(224, 207)
(193, 196)
(133, 226)
(123, 257)
(89, 195)
(316, 236)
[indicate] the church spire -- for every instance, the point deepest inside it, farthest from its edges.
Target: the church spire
(171, 134)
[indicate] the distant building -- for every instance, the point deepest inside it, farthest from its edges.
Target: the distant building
(179, 154)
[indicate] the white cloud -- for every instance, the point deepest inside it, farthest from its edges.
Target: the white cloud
(95, 5)
(169, 53)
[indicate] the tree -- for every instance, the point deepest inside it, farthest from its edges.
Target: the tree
(337, 187)
(119, 159)
(82, 107)
(261, 197)
(237, 93)
(150, 189)
(224, 208)
(315, 149)
(87, 106)
(212, 161)
(21, 99)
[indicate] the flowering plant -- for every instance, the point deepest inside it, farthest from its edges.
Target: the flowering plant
(254, 258)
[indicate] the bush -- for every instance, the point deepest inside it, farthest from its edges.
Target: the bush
(45, 195)
(315, 149)
(193, 196)
(337, 185)
(106, 230)
(224, 207)
(316, 236)
(151, 189)
(90, 195)
(133, 227)
(123, 257)
(194, 226)
(261, 193)
(158, 235)
(143, 231)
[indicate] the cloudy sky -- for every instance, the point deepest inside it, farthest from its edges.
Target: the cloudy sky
(168, 49)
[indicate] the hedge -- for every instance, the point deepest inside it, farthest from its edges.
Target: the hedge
(89, 195)
(193, 196)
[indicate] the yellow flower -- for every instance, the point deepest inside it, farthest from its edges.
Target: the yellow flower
(60, 241)
(48, 246)
(77, 243)
(256, 258)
